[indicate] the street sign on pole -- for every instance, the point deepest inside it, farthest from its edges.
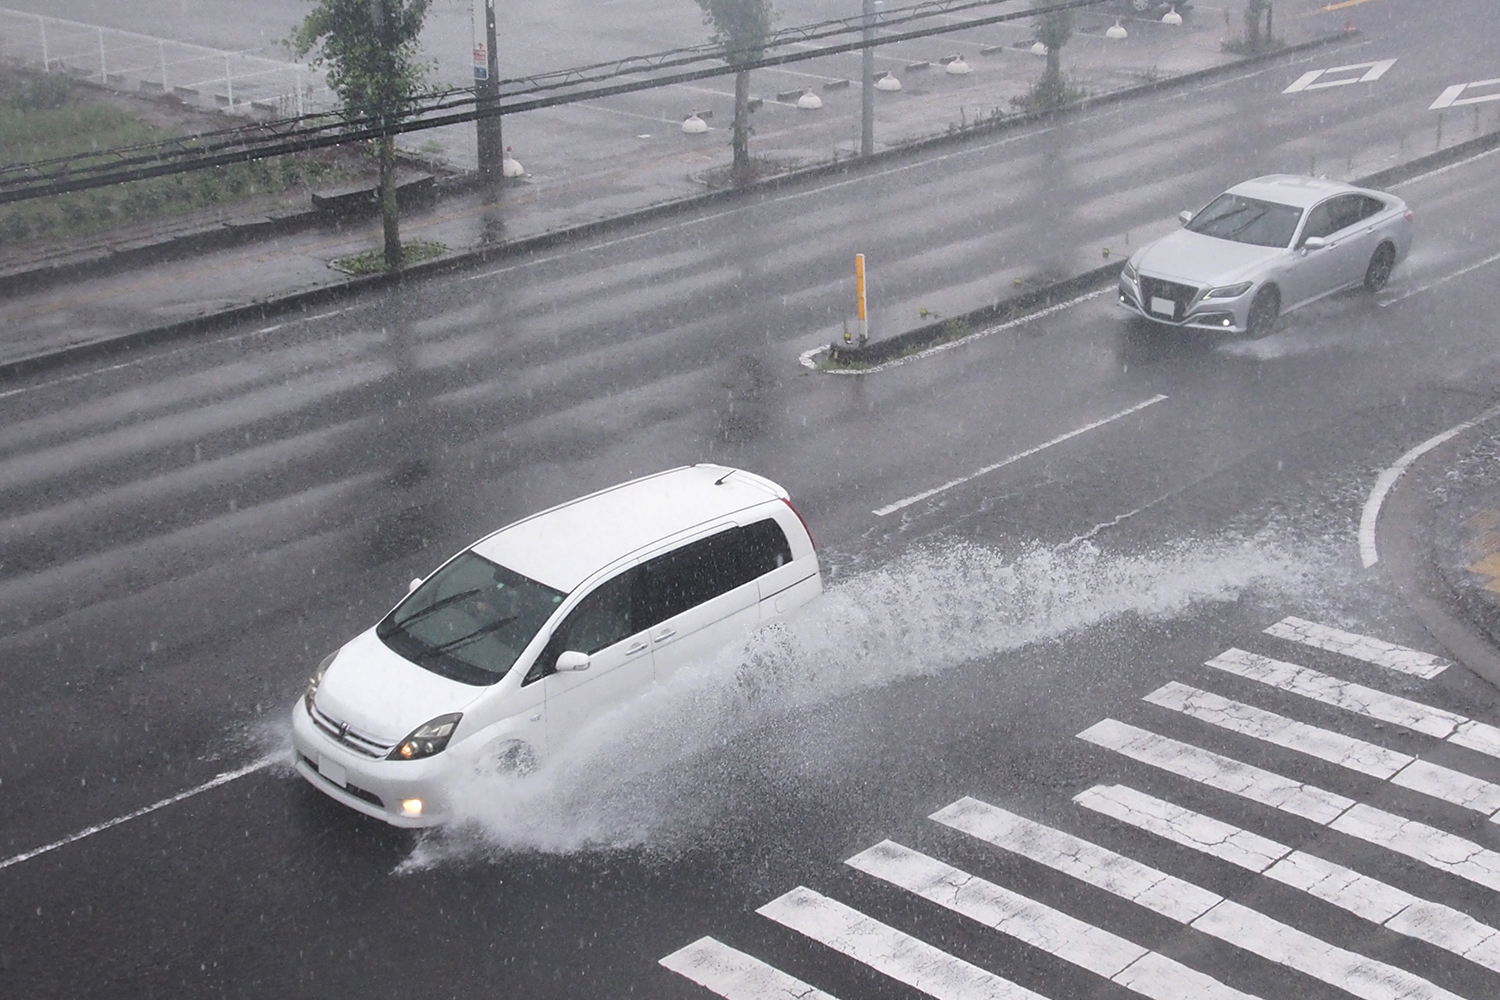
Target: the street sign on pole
(487, 92)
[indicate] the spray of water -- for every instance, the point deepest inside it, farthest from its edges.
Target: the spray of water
(653, 773)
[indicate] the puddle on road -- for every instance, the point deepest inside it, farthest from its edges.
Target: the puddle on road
(660, 773)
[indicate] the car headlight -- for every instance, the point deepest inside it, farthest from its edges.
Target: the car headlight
(1128, 272)
(427, 739)
(1229, 291)
(316, 679)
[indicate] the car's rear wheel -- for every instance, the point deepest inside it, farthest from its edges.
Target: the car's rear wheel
(1265, 309)
(1379, 271)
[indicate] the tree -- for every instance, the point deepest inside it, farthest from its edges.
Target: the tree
(370, 47)
(1253, 11)
(741, 27)
(1053, 29)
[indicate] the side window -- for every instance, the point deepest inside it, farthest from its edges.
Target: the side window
(752, 551)
(600, 620)
(678, 580)
(1320, 221)
(1369, 206)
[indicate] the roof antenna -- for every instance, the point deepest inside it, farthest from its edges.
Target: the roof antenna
(720, 480)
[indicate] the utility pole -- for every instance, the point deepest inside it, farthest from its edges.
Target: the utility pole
(487, 91)
(867, 85)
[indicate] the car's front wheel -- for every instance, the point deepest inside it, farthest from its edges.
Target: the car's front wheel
(1265, 309)
(1379, 271)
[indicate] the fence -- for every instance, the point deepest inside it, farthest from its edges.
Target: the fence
(236, 82)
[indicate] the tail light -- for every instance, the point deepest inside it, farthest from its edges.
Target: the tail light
(803, 522)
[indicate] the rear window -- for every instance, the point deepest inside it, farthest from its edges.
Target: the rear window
(470, 620)
(1247, 220)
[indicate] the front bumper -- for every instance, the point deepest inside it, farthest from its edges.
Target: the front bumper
(375, 787)
(1218, 315)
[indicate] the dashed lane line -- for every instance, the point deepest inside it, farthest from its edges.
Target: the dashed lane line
(1367, 898)
(1230, 922)
(1366, 701)
(215, 782)
(734, 975)
(1435, 848)
(1361, 647)
(1138, 969)
(887, 950)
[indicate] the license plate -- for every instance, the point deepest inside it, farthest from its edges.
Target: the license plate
(1165, 307)
(333, 771)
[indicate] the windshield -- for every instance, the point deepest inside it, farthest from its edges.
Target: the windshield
(469, 620)
(1247, 220)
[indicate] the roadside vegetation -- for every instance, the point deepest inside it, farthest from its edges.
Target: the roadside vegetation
(1053, 29)
(46, 115)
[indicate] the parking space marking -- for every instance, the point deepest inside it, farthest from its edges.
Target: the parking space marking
(950, 484)
(1451, 98)
(215, 782)
(1313, 79)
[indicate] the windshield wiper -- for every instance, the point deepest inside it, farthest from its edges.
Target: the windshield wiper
(478, 633)
(1258, 216)
(435, 606)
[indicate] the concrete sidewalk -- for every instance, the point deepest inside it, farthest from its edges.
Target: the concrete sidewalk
(604, 184)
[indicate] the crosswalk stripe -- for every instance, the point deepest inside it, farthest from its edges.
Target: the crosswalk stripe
(734, 975)
(1136, 968)
(1365, 897)
(1226, 920)
(1367, 758)
(1217, 771)
(1361, 647)
(887, 950)
(1309, 683)
(1418, 841)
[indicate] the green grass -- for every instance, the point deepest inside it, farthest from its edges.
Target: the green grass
(373, 261)
(45, 115)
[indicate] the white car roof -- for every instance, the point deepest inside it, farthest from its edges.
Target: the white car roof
(565, 545)
(1291, 189)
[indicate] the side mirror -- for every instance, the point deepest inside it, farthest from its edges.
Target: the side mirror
(1184, 217)
(414, 585)
(572, 660)
(1314, 243)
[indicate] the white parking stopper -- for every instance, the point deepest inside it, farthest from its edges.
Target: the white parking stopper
(1116, 31)
(887, 81)
(510, 166)
(957, 66)
(1038, 49)
(693, 125)
(809, 101)
(1172, 17)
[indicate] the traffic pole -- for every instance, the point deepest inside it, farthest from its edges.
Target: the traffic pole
(859, 285)
(487, 91)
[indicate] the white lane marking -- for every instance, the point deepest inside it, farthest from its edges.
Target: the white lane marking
(1373, 72)
(1138, 969)
(1367, 701)
(807, 357)
(925, 494)
(215, 782)
(1449, 98)
(1097, 866)
(1365, 897)
(1433, 847)
(1387, 479)
(734, 975)
(1217, 771)
(1438, 171)
(1238, 717)
(1183, 826)
(1440, 281)
(1405, 770)
(1232, 923)
(1361, 647)
(894, 953)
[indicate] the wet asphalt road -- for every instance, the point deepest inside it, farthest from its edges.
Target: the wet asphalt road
(187, 533)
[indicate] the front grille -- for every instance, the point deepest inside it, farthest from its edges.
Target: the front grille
(1158, 288)
(351, 738)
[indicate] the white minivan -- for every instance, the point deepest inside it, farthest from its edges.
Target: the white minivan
(513, 645)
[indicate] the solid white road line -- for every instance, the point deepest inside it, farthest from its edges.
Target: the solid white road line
(1357, 755)
(1309, 683)
(1418, 841)
(1217, 771)
(1138, 969)
(887, 950)
(1228, 921)
(222, 779)
(1370, 899)
(1383, 483)
(925, 494)
(1247, 720)
(1361, 647)
(1440, 281)
(734, 975)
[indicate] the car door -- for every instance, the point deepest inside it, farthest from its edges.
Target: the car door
(1361, 235)
(603, 625)
(1315, 272)
(696, 601)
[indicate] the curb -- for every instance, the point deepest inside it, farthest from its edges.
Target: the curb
(279, 305)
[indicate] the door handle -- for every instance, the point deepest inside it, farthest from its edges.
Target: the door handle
(664, 635)
(639, 647)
